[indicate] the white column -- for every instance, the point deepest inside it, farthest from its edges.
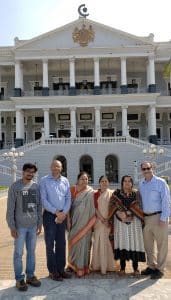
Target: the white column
(45, 73)
(0, 127)
(72, 72)
(97, 122)
(46, 122)
(152, 120)
(0, 78)
(151, 70)
(96, 72)
(19, 124)
(21, 77)
(73, 122)
(123, 71)
(124, 121)
(17, 74)
(147, 71)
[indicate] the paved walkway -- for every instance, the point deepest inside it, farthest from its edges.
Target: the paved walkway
(94, 286)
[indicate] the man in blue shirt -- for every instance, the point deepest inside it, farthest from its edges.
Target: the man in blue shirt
(155, 196)
(56, 200)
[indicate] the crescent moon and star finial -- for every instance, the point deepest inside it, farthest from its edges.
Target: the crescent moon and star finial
(82, 10)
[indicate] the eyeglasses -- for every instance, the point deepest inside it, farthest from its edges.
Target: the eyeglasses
(30, 172)
(148, 169)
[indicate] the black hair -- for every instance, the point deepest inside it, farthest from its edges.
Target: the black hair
(100, 178)
(123, 178)
(30, 166)
(146, 162)
(82, 173)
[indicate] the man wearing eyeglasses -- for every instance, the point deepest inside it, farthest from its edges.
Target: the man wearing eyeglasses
(155, 196)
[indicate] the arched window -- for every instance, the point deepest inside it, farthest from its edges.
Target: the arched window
(111, 168)
(86, 164)
(63, 160)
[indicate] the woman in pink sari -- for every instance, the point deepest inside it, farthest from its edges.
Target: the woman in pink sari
(102, 255)
(81, 221)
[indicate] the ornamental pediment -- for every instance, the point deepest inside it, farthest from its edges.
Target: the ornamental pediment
(84, 33)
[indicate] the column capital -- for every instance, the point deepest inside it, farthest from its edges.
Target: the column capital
(18, 110)
(96, 59)
(46, 109)
(124, 106)
(97, 107)
(151, 106)
(45, 60)
(73, 108)
(72, 59)
(151, 56)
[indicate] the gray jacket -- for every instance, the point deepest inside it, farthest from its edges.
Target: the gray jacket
(24, 208)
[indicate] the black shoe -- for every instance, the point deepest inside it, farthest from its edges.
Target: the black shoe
(66, 275)
(147, 271)
(69, 270)
(55, 276)
(21, 285)
(157, 274)
(33, 281)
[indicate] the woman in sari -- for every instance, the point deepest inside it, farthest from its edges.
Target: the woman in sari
(128, 219)
(102, 255)
(81, 221)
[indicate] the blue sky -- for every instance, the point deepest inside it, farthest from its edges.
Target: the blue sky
(29, 18)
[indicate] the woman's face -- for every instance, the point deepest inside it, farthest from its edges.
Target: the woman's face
(104, 183)
(83, 181)
(127, 184)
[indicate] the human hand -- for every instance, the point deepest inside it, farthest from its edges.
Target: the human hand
(60, 216)
(162, 223)
(58, 221)
(14, 233)
(39, 229)
(121, 215)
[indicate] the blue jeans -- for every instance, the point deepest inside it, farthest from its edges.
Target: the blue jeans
(26, 236)
(55, 243)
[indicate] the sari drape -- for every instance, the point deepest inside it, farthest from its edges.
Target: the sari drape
(82, 216)
(102, 254)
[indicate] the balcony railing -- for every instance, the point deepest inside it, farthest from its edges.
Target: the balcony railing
(81, 92)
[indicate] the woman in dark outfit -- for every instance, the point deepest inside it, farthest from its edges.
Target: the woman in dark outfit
(125, 212)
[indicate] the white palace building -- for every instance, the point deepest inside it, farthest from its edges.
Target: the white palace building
(93, 96)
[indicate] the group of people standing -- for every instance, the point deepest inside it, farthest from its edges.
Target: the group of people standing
(103, 225)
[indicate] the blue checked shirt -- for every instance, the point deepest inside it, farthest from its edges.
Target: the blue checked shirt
(55, 193)
(155, 196)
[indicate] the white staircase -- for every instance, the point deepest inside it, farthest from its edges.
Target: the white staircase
(41, 151)
(7, 171)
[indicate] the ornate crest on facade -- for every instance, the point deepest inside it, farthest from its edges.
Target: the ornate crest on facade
(83, 36)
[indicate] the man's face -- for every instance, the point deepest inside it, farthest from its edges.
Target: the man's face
(147, 169)
(56, 168)
(28, 174)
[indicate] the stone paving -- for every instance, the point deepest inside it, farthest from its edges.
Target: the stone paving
(93, 286)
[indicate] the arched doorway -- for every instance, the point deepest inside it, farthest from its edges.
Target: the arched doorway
(111, 168)
(86, 164)
(63, 160)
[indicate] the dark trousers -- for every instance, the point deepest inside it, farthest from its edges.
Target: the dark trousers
(55, 243)
(134, 264)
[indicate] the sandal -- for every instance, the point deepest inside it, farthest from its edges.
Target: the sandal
(136, 273)
(121, 273)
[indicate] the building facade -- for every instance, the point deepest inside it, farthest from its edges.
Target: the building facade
(85, 81)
